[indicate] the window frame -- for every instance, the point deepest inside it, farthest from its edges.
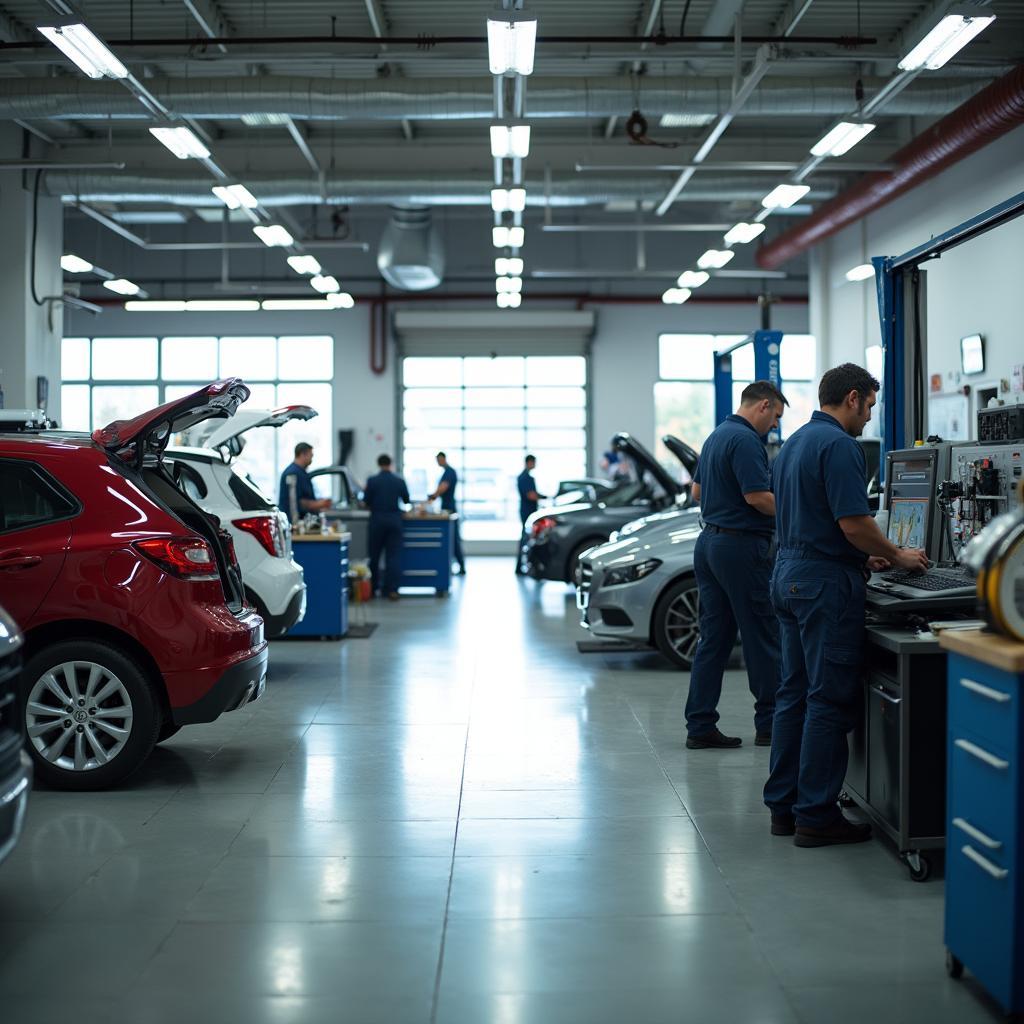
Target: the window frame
(50, 483)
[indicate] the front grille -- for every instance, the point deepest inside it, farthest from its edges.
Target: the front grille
(10, 718)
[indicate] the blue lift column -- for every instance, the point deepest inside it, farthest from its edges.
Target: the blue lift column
(767, 354)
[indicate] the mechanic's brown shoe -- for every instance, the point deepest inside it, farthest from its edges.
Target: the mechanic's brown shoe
(783, 825)
(713, 739)
(841, 831)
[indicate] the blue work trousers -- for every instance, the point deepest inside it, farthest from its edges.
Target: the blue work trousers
(820, 605)
(460, 558)
(385, 536)
(733, 573)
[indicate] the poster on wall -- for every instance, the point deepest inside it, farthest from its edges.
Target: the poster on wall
(949, 416)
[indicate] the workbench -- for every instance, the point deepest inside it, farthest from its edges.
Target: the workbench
(324, 561)
(428, 546)
(985, 800)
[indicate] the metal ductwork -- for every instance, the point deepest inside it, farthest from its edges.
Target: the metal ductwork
(993, 112)
(453, 99)
(411, 256)
(409, 191)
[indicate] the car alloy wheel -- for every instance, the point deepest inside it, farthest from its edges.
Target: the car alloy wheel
(682, 624)
(79, 716)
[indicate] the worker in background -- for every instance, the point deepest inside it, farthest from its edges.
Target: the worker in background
(828, 542)
(385, 495)
(296, 479)
(733, 561)
(445, 490)
(529, 497)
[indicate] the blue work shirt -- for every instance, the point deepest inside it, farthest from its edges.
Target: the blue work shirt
(818, 478)
(733, 462)
(527, 505)
(303, 489)
(451, 478)
(384, 492)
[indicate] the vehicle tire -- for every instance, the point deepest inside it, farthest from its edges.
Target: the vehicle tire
(167, 730)
(572, 565)
(675, 628)
(108, 721)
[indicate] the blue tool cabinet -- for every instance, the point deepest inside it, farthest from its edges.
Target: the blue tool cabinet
(324, 561)
(428, 544)
(985, 793)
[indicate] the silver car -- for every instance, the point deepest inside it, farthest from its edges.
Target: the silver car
(640, 585)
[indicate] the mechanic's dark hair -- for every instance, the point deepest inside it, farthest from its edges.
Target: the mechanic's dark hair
(383, 460)
(301, 448)
(759, 391)
(441, 455)
(838, 382)
(529, 458)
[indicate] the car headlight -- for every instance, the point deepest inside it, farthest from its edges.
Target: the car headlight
(630, 573)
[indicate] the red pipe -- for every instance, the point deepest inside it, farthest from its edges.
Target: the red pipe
(985, 117)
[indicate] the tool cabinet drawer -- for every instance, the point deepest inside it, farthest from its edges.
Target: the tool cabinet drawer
(983, 794)
(983, 702)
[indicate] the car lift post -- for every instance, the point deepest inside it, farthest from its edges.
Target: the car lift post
(767, 355)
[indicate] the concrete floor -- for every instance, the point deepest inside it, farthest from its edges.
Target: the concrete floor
(459, 820)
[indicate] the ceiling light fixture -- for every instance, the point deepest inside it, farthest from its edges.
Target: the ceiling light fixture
(510, 141)
(235, 196)
(509, 300)
(511, 41)
(512, 237)
(122, 286)
(272, 234)
(715, 259)
(692, 278)
(784, 196)
(508, 200)
(511, 266)
(861, 272)
(304, 264)
(155, 306)
(676, 296)
(221, 305)
(181, 141)
(85, 49)
(74, 264)
(946, 39)
(337, 300)
(325, 283)
(743, 233)
(508, 284)
(340, 300)
(842, 138)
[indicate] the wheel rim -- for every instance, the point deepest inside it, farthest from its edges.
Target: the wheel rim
(682, 623)
(78, 716)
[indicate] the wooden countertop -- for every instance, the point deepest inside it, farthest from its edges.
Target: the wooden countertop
(320, 538)
(412, 517)
(988, 648)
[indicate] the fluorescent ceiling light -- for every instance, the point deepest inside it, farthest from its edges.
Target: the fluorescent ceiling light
(74, 264)
(509, 300)
(861, 272)
(340, 300)
(715, 258)
(264, 120)
(510, 267)
(676, 296)
(508, 284)
(304, 264)
(783, 196)
(221, 305)
(150, 216)
(685, 120)
(692, 278)
(512, 237)
(511, 41)
(325, 283)
(842, 138)
(181, 141)
(155, 306)
(742, 233)
(337, 300)
(948, 37)
(510, 141)
(122, 286)
(272, 234)
(508, 200)
(85, 49)
(235, 196)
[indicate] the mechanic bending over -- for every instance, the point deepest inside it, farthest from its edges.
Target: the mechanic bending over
(733, 563)
(827, 543)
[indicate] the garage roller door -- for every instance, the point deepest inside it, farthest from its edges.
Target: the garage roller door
(494, 332)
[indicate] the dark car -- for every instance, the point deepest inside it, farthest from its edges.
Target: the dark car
(15, 766)
(557, 536)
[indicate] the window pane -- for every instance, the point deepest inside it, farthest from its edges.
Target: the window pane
(803, 400)
(124, 359)
(172, 392)
(499, 372)
(422, 398)
(557, 417)
(567, 398)
(434, 440)
(305, 358)
(539, 438)
(493, 418)
(687, 356)
(319, 431)
(74, 359)
(28, 498)
(188, 359)
(74, 407)
(484, 438)
(798, 358)
(505, 398)
(248, 358)
(556, 370)
(427, 372)
(743, 363)
(685, 410)
(122, 403)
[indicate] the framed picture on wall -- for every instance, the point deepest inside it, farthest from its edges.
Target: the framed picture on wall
(972, 354)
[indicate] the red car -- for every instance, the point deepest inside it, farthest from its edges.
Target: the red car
(128, 594)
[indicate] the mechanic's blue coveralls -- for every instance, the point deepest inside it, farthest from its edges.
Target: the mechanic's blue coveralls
(382, 496)
(818, 589)
(733, 562)
(303, 491)
(451, 478)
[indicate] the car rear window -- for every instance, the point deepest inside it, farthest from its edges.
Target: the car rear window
(248, 495)
(30, 497)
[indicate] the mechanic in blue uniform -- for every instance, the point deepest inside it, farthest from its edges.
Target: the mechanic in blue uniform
(733, 563)
(384, 495)
(446, 492)
(305, 497)
(529, 497)
(827, 543)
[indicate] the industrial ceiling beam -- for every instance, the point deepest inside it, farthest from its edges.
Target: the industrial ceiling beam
(211, 20)
(375, 13)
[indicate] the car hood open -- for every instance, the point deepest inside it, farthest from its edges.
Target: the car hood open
(228, 435)
(646, 462)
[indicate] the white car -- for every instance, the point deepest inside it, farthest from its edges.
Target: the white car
(261, 533)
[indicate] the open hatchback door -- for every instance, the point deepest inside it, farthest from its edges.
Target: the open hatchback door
(227, 437)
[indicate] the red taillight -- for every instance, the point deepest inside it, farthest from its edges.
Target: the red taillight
(266, 530)
(543, 525)
(186, 558)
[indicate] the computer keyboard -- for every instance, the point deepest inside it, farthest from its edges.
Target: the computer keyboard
(932, 580)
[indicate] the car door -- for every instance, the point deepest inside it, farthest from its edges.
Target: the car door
(35, 529)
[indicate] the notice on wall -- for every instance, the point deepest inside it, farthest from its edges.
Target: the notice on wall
(1017, 378)
(949, 416)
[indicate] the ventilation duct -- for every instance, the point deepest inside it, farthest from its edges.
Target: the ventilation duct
(411, 256)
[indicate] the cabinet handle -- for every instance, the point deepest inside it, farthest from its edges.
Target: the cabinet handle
(984, 863)
(985, 691)
(884, 694)
(982, 754)
(976, 834)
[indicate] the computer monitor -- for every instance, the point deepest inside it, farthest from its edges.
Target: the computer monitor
(912, 477)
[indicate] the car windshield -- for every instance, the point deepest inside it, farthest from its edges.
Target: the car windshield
(626, 495)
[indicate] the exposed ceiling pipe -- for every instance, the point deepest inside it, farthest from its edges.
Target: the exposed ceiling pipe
(995, 111)
(448, 99)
